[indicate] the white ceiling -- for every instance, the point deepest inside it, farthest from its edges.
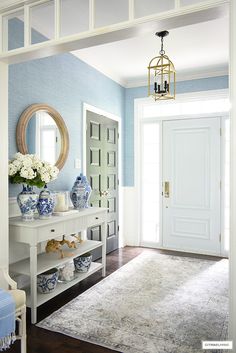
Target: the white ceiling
(199, 50)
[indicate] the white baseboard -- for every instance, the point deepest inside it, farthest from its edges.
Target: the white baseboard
(131, 218)
(14, 210)
(17, 251)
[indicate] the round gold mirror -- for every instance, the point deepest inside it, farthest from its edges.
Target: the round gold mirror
(42, 131)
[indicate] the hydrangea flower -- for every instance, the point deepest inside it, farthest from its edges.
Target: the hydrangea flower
(29, 169)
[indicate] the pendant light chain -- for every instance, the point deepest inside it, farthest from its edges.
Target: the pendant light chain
(162, 51)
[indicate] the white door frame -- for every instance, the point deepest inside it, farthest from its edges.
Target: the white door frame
(139, 105)
(4, 214)
(91, 108)
(232, 256)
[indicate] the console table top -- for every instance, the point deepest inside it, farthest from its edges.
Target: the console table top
(17, 221)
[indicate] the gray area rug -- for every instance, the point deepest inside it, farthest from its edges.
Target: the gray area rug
(154, 304)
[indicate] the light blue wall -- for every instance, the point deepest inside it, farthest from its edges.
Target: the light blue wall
(64, 82)
(131, 94)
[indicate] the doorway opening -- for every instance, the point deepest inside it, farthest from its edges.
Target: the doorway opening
(166, 221)
(102, 165)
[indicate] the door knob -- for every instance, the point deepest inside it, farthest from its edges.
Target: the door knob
(104, 193)
(166, 189)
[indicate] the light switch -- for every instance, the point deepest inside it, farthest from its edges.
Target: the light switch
(77, 163)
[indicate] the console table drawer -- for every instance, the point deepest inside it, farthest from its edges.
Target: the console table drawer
(95, 219)
(75, 226)
(50, 232)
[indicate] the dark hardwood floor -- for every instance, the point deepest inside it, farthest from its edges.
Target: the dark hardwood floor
(43, 341)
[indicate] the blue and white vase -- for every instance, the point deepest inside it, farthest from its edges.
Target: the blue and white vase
(80, 192)
(46, 203)
(27, 201)
(82, 263)
(47, 281)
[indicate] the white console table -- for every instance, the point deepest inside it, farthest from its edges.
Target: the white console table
(38, 231)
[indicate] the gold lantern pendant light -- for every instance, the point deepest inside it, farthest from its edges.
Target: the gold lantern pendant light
(161, 74)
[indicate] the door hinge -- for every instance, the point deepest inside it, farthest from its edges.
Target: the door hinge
(118, 135)
(118, 229)
(220, 131)
(220, 237)
(220, 184)
(118, 182)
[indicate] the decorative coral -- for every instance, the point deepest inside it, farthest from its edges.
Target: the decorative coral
(55, 246)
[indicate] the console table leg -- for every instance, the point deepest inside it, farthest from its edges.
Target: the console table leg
(104, 247)
(33, 283)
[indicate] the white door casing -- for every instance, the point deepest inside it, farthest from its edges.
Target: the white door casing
(4, 232)
(191, 166)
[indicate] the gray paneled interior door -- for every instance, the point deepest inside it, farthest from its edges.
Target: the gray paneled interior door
(102, 172)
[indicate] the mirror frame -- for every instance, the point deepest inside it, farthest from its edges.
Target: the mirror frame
(22, 127)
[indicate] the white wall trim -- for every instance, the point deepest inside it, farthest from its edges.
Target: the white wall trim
(131, 215)
(14, 210)
(142, 82)
(4, 229)
(188, 76)
(232, 257)
(223, 119)
(96, 110)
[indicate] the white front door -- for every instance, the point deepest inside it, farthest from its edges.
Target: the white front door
(191, 185)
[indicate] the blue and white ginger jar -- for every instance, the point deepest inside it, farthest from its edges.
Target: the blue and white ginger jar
(80, 192)
(46, 203)
(82, 263)
(27, 201)
(47, 281)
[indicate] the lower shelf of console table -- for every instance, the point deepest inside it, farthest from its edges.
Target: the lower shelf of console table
(46, 261)
(61, 287)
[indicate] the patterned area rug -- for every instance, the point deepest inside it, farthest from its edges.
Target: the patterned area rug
(154, 304)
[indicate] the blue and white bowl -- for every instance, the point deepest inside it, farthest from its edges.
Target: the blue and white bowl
(82, 263)
(47, 281)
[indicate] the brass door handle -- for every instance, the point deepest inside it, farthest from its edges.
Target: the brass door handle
(104, 193)
(166, 189)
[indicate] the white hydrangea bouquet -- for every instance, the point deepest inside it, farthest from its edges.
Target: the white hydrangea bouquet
(29, 169)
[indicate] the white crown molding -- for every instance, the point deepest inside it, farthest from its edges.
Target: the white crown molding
(181, 76)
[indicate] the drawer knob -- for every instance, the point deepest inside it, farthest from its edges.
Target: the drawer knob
(52, 230)
(96, 217)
